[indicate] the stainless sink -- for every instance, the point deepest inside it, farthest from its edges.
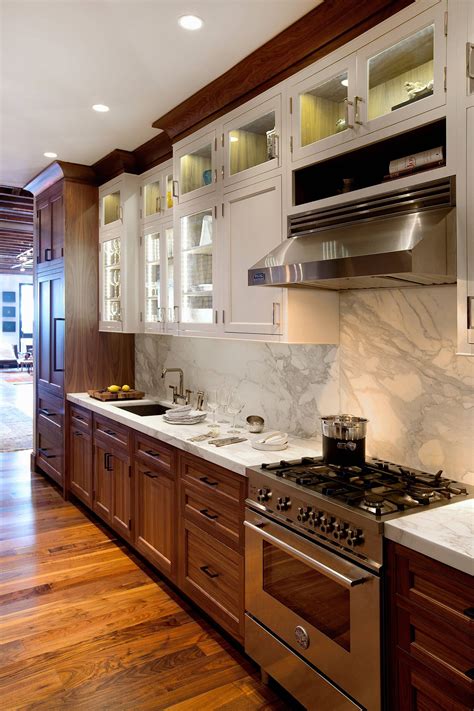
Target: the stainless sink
(145, 410)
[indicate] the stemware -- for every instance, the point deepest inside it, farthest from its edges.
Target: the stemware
(212, 404)
(234, 408)
(223, 395)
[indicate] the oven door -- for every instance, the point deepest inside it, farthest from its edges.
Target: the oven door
(324, 607)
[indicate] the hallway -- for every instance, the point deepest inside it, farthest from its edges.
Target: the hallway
(86, 625)
(16, 406)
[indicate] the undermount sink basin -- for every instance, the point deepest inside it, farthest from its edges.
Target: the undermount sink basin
(145, 410)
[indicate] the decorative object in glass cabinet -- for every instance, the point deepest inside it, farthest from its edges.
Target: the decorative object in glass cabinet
(169, 191)
(401, 74)
(152, 278)
(152, 198)
(111, 280)
(111, 208)
(253, 144)
(196, 169)
(323, 110)
(196, 247)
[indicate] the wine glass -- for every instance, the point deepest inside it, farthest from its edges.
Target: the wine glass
(234, 408)
(212, 404)
(223, 402)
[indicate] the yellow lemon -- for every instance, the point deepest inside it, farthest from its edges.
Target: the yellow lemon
(125, 388)
(113, 388)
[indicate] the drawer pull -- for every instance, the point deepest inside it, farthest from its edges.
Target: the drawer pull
(43, 411)
(207, 481)
(111, 433)
(78, 417)
(152, 475)
(206, 513)
(470, 673)
(44, 451)
(469, 612)
(151, 453)
(209, 573)
(77, 434)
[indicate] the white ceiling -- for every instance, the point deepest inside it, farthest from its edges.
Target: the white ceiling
(58, 57)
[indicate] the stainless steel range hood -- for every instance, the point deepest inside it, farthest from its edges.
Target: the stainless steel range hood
(403, 238)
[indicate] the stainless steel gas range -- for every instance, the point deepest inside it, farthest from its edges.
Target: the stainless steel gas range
(313, 563)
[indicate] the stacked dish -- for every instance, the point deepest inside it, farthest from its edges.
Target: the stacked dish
(184, 415)
(271, 442)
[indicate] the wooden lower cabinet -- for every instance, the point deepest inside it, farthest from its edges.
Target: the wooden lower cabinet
(80, 465)
(431, 633)
(121, 493)
(102, 496)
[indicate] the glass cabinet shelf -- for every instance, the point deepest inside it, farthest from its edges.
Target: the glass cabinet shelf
(253, 143)
(111, 208)
(111, 276)
(196, 267)
(196, 169)
(401, 74)
(323, 109)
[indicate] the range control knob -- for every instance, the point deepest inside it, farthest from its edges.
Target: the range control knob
(340, 530)
(327, 524)
(303, 513)
(283, 503)
(354, 537)
(315, 518)
(263, 495)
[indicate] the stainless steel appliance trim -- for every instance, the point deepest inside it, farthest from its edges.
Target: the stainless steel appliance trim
(348, 581)
(306, 684)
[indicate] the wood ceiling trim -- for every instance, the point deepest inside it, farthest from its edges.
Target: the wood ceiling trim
(59, 170)
(316, 34)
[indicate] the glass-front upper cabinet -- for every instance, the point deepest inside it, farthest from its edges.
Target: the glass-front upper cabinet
(323, 113)
(195, 297)
(158, 278)
(156, 193)
(111, 282)
(401, 74)
(251, 141)
(195, 168)
(111, 211)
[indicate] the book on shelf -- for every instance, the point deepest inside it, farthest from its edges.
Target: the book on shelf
(416, 161)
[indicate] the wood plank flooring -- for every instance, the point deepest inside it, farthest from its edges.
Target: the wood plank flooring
(85, 625)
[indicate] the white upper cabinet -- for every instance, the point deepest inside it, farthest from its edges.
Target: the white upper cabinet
(118, 255)
(196, 252)
(251, 142)
(252, 227)
(157, 277)
(195, 167)
(156, 193)
(395, 76)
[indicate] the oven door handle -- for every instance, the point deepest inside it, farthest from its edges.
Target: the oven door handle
(344, 580)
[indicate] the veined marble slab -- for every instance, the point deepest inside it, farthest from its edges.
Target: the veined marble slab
(445, 534)
(235, 457)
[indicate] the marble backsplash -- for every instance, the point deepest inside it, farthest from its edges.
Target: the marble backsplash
(396, 364)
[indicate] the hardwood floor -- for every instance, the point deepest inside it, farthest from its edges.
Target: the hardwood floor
(85, 625)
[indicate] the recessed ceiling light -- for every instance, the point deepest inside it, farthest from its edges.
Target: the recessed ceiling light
(101, 108)
(190, 22)
(345, 82)
(50, 154)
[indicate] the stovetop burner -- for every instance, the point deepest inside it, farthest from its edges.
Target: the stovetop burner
(379, 487)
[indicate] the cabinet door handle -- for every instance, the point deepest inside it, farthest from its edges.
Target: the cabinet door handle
(176, 314)
(276, 322)
(121, 213)
(470, 63)
(469, 612)
(357, 120)
(275, 145)
(207, 481)
(347, 103)
(44, 451)
(107, 458)
(209, 573)
(175, 189)
(77, 434)
(48, 253)
(43, 411)
(470, 673)
(206, 513)
(111, 433)
(55, 350)
(151, 453)
(152, 475)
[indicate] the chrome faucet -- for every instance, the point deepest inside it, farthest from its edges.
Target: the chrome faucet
(178, 394)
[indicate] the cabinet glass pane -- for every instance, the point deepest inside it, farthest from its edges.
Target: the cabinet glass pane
(169, 191)
(196, 169)
(323, 110)
(152, 278)
(152, 198)
(111, 280)
(253, 144)
(196, 282)
(111, 207)
(170, 275)
(401, 74)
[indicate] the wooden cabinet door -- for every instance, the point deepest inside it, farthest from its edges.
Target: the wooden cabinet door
(80, 465)
(57, 228)
(155, 517)
(121, 494)
(43, 233)
(103, 477)
(50, 330)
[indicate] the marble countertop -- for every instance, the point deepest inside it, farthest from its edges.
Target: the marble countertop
(445, 534)
(236, 457)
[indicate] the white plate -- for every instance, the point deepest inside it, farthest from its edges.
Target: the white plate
(269, 447)
(195, 421)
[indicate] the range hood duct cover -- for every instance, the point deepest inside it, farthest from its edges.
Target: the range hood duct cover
(402, 238)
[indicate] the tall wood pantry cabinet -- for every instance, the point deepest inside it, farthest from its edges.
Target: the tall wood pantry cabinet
(70, 353)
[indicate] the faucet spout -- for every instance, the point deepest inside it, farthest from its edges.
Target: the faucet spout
(180, 393)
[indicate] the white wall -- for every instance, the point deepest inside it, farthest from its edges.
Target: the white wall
(11, 282)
